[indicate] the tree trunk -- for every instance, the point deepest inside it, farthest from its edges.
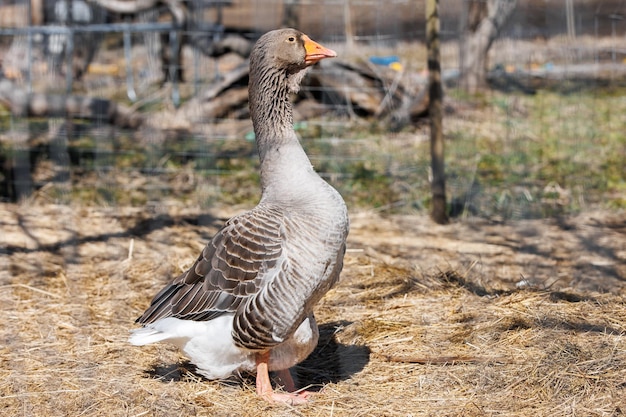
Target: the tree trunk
(127, 6)
(25, 104)
(481, 24)
(435, 92)
(290, 14)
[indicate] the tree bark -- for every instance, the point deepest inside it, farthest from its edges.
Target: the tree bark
(435, 92)
(25, 104)
(482, 21)
(127, 6)
(290, 14)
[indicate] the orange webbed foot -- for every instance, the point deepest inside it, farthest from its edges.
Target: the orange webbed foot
(264, 386)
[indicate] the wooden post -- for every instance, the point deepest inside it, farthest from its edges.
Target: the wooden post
(569, 13)
(435, 112)
(347, 20)
(291, 19)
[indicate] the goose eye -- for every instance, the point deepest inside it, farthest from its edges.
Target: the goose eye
(291, 39)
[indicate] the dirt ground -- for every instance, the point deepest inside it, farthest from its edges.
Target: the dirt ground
(471, 319)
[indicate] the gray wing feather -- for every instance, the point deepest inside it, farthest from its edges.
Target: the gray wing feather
(226, 272)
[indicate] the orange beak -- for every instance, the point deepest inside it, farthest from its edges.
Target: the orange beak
(316, 52)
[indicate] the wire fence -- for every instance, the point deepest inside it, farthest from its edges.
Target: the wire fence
(566, 50)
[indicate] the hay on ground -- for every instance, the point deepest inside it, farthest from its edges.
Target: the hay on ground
(471, 319)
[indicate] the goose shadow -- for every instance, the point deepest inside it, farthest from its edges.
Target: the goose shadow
(330, 362)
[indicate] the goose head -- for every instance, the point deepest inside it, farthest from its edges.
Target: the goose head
(290, 50)
(286, 51)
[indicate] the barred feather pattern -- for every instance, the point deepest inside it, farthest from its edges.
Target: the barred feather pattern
(264, 266)
(309, 267)
(229, 269)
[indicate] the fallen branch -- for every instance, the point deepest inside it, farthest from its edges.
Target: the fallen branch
(24, 104)
(446, 360)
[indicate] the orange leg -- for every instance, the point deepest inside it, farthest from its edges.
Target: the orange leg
(264, 385)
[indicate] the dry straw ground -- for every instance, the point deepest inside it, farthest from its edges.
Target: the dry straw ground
(472, 319)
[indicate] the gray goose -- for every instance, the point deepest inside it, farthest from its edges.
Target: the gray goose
(246, 304)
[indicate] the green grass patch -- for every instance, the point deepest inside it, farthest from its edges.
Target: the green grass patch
(507, 156)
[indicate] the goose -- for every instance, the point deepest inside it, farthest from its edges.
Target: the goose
(246, 304)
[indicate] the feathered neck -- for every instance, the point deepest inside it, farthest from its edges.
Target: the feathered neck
(271, 111)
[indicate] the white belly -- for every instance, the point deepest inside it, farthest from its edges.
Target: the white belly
(209, 344)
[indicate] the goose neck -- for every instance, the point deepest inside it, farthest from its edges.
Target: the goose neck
(270, 108)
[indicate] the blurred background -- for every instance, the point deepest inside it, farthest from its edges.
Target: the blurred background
(143, 102)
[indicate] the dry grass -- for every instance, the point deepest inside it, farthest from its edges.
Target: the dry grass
(426, 320)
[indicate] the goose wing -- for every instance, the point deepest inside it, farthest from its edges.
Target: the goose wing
(231, 268)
